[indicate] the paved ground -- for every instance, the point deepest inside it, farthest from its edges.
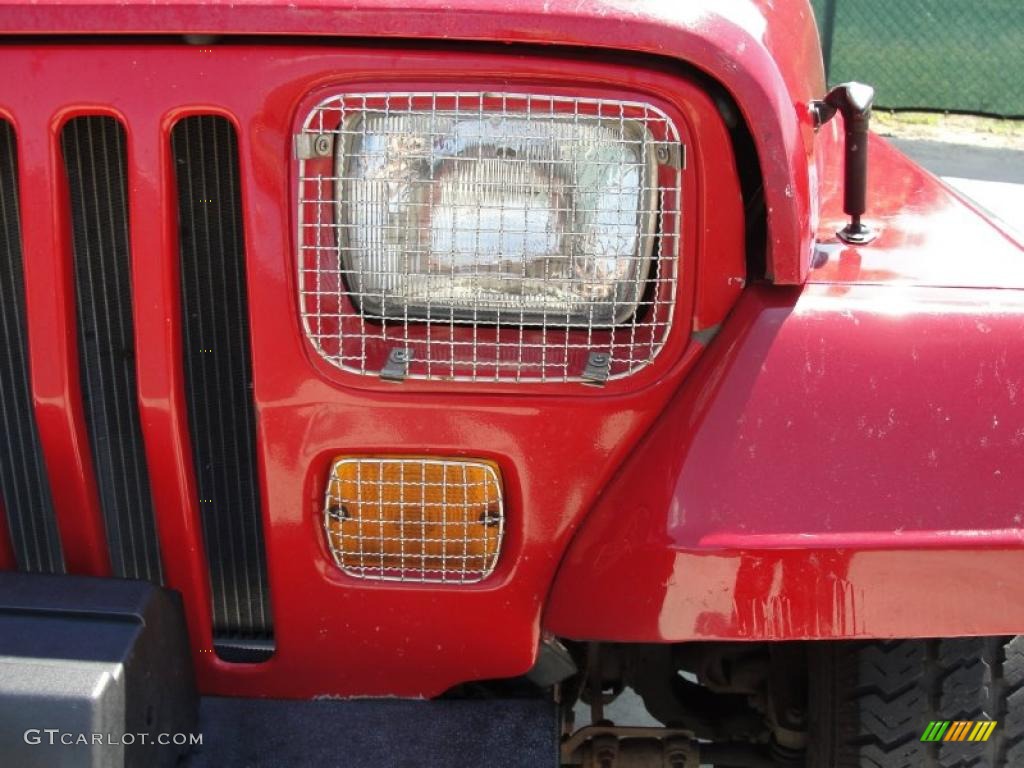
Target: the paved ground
(993, 178)
(374, 733)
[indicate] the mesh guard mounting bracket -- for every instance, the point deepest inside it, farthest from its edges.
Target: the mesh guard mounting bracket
(309, 146)
(598, 369)
(397, 366)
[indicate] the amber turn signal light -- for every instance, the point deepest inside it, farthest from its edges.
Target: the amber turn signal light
(419, 519)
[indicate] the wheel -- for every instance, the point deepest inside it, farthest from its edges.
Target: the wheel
(870, 703)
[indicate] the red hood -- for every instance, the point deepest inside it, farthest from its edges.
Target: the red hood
(928, 234)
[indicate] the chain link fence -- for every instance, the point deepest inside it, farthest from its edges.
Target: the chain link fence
(949, 55)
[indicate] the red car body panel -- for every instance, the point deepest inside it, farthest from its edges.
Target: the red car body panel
(556, 445)
(841, 463)
(843, 459)
(764, 52)
(928, 235)
(7, 561)
(763, 552)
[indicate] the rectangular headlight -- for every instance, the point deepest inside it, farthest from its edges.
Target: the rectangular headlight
(495, 217)
(488, 236)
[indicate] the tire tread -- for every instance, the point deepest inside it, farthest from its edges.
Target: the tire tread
(878, 696)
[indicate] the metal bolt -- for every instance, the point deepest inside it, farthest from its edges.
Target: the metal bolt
(661, 153)
(399, 356)
(322, 144)
(599, 358)
(489, 517)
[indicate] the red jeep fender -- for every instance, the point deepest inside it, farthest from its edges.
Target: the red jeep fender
(844, 461)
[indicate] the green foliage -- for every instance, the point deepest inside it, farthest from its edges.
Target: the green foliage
(954, 55)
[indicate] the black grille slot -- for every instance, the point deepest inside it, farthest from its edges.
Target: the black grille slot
(94, 157)
(24, 486)
(218, 380)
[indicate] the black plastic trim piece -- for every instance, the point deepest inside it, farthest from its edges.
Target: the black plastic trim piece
(83, 655)
(218, 383)
(24, 486)
(96, 166)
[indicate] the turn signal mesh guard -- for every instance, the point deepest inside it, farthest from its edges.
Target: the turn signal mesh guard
(415, 519)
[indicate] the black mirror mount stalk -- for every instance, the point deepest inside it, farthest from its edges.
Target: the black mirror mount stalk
(854, 101)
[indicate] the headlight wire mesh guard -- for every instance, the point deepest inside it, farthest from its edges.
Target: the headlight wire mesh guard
(502, 318)
(415, 519)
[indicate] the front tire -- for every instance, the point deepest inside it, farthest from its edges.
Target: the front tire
(871, 702)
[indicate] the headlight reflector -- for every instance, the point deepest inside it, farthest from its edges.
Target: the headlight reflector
(496, 218)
